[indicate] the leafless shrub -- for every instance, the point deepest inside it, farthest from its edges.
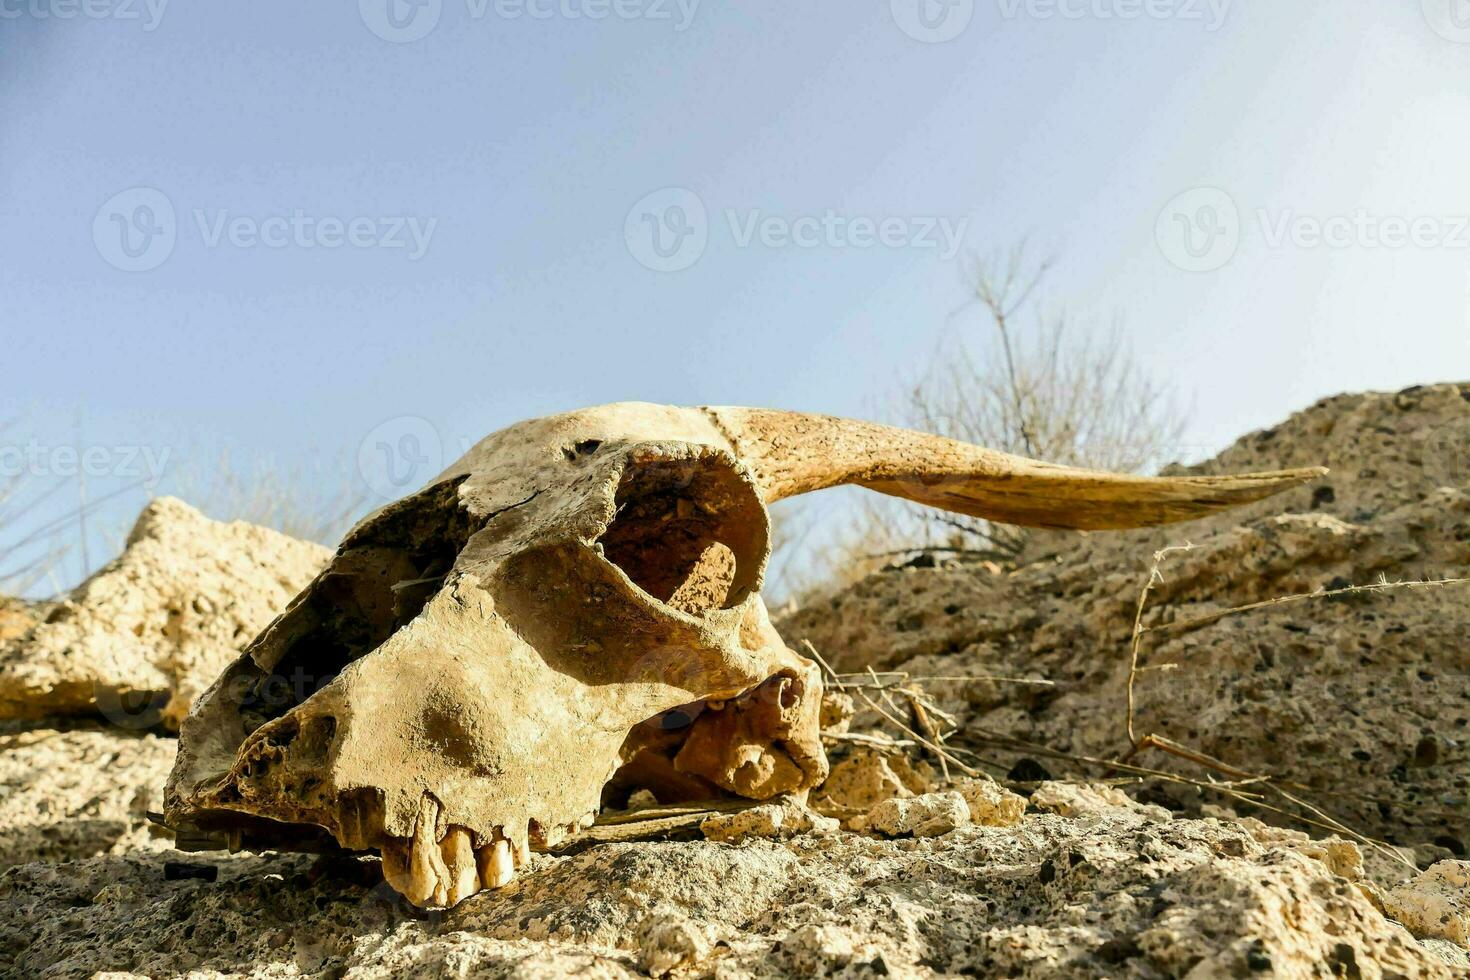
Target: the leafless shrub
(1031, 382)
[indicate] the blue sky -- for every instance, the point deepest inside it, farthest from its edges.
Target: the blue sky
(349, 223)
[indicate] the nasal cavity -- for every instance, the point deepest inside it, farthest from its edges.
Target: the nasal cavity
(691, 532)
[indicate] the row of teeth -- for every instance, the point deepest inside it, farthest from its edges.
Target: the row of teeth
(434, 868)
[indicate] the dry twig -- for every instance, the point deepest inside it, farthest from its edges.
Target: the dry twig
(1382, 585)
(1153, 576)
(1275, 784)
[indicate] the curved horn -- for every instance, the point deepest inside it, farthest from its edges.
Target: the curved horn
(793, 453)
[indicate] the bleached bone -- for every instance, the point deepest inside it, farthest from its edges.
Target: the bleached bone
(572, 610)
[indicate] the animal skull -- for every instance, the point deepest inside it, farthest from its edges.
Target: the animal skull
(575, 600)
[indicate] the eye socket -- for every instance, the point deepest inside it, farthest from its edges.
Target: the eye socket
(580, 449)
(691, 532)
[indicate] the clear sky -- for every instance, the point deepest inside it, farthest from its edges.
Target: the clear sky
(280, 229)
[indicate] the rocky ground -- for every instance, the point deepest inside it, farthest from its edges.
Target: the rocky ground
(1362, 702)
(1084, 884)
(1363, 698)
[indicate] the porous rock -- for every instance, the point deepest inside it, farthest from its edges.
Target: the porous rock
(142, 637)
(16, 617)
(781, 819)
(991, 804)
(667, 940)
(1365, 697)
(70, 794)
(1089, 799)
(929, 815)
(865, 778)
(1436, 903)
(1112, 895)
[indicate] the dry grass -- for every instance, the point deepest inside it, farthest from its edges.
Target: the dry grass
(314, 503)
(44, 538)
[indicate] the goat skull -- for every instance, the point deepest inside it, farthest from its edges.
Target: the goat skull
(575, 600)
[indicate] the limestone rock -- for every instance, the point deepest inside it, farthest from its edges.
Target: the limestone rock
(1341, 857)
(143, 636)
(781, 819)
(1436, 904)
(930, 815)
(1364, 697)
(16, 617)
(1082, 799)
(667, 940)
(759, 821)
(991, 804)
(73, 794)
(1118, 895)
(866, 778)
(827, 950)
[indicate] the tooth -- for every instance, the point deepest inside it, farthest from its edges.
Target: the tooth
(555, 836)
(521, 846)
(497, 867)
(587, 821)
(427, 874)
(458, 853)
(395, 865)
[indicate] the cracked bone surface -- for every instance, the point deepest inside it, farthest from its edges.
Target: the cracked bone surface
(569, 612)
